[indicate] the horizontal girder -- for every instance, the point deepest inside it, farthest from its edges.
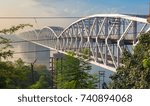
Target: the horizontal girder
(104, 35)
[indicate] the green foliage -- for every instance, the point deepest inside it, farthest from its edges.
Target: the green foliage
(43, 71)
(85, 53)
(5, 43)
(41, 84)
(16, 75)
(73, 73)
(14, 28)
(135, 73)
(146, 63)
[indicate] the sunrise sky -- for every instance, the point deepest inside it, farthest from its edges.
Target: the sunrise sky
(67, 8)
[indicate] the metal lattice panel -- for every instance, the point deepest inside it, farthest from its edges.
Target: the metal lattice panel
(105, 35)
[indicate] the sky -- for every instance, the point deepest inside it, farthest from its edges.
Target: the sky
(70, 7)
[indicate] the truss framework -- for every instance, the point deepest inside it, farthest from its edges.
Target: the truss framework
(105, 35)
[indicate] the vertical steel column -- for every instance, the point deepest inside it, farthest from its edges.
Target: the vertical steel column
(82, 33)
(89, 41)
(96, 40)
(119, 34)
(71, 36)
(106, 34)
(76, 42)
(89, 26)
(134, 32)
(123, 25)
(57, 44)
(67, 41)
(113, 48)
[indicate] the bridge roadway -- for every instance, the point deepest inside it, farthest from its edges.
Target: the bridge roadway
(105, 35)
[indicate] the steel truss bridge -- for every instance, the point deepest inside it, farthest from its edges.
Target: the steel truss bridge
(105, 35)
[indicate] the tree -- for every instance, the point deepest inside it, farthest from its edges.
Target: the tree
(13, 29)
(41, 71)
(14, 74)
(4, 53)
(73, 73)
(135, 72)
(5, 43)
(7, 71)
(18, 74)
(41, 84)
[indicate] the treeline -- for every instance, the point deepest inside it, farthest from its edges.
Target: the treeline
(19, 75)
(72, 72)
(135, 71)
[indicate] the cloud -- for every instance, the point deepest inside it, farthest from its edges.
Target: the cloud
(76, 7)
(21, 8)
(54, 8)
(66, 7)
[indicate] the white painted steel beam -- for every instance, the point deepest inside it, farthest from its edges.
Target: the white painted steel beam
(98, 33)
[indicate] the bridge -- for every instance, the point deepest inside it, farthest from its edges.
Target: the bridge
(105, 35)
